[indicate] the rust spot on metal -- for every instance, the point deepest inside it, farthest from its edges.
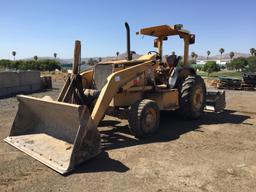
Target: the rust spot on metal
(68, 147)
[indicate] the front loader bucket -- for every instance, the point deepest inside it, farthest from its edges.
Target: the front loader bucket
(215, 100)
(60, 135)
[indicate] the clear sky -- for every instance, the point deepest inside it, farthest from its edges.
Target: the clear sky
(42, 27)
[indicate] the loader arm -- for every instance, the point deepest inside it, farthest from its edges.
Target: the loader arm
(114, 82)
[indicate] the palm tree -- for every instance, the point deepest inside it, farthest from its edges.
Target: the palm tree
(231, 55)
(208, 53)
(252, 51)
(193, 54)
(14, 54)
(55, 55)
(196, 57)
(35, 58)
(117, 54)
(90, 62)
(221, 52)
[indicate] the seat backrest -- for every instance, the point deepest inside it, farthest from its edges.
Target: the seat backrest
(172, 60)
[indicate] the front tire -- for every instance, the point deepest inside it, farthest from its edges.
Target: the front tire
(144, 118)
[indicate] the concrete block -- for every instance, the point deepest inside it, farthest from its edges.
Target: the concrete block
(11, 90)
(9, 79)
(3, 92)
(36, 87)
(12, 83)
(29, 77)
(24, 89)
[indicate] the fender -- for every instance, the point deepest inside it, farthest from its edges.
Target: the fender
(179, 74)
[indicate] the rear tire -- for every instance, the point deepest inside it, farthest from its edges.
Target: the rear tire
(192, 97)
(144, 118)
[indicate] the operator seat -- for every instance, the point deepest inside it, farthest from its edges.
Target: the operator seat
(172, 60)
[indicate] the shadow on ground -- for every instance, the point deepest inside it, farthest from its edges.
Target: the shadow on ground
(101, 163)
(171, 127)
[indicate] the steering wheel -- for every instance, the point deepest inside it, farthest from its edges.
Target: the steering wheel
(157, 54)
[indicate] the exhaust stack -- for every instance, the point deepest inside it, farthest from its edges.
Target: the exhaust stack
(129, 55)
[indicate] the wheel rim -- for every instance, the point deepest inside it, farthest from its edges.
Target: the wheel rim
(198, 98)
(149, 121)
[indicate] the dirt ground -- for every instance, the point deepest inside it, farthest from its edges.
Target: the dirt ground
(215, 153)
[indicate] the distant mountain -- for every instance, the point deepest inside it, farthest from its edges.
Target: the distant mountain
(68, 61)
(224, 56)
(135, 56)
(62, 61)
